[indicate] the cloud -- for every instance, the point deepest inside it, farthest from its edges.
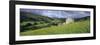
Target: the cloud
(58, 13)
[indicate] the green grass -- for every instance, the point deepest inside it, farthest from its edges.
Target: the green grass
(72, 28)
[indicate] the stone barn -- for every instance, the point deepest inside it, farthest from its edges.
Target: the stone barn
(69, 20)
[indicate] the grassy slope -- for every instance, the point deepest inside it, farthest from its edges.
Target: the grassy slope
(75, 27)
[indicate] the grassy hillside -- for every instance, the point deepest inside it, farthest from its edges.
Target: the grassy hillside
(82, 26)
(32, 21)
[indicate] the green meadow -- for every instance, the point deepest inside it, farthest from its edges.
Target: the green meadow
(82, 26)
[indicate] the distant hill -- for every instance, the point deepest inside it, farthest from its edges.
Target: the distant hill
(83, 18)
(25, 16)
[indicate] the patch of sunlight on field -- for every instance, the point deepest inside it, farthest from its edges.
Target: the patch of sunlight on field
(72, 28)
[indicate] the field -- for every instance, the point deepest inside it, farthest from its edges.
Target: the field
(82, 26)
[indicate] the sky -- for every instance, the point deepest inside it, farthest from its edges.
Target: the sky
(58, 13)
